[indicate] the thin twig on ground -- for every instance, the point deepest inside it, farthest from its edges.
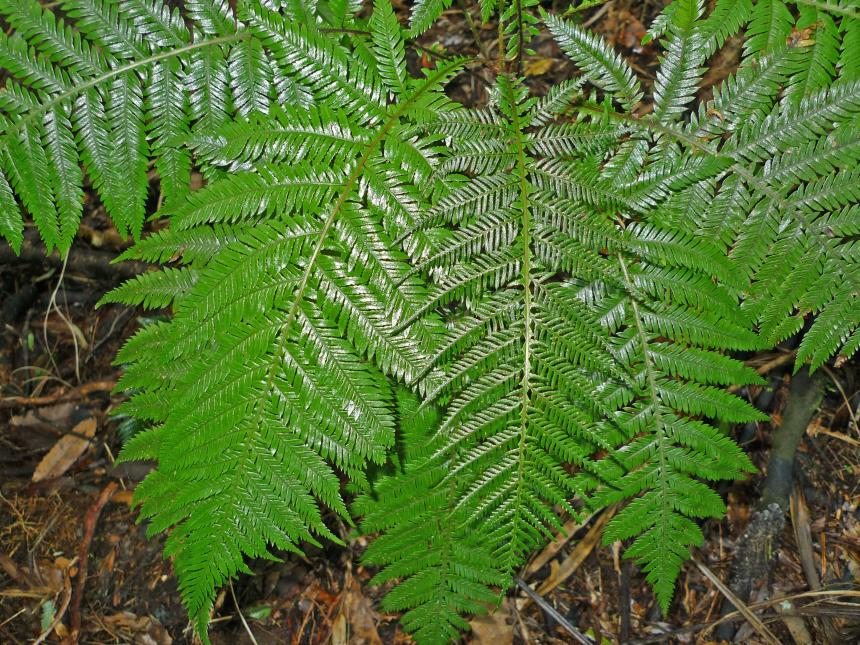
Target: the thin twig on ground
(83, 558)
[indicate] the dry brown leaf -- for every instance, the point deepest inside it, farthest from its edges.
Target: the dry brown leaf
(538, 67)
(493, 629)
(360, 614)
(66, 451)
(145, 629)
(339, 629)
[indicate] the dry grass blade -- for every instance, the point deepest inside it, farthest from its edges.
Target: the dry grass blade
(581, 551)
(570, 527)
(759, 626)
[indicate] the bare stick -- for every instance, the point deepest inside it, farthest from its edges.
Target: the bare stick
(83, 557)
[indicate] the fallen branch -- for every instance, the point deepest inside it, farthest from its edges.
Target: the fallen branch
(83, 556)
(60, 396)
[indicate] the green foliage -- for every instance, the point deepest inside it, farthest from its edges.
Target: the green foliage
(484, 318)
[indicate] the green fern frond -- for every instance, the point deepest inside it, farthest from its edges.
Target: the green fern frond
(424, 14)
(603, 67)
(769, 27)
(524, 393)
(283, 337)
(723, 21)
(681, 66)
(445, 571)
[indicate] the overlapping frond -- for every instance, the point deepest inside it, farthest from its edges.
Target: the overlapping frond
(444, 570)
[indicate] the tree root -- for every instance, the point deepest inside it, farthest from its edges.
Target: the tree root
(759, 545)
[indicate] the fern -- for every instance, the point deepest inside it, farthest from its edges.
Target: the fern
(538, 373)
(483, 318)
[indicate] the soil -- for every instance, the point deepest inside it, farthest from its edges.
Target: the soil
(56, 373)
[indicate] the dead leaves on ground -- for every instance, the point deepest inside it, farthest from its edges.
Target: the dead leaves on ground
(63, 454)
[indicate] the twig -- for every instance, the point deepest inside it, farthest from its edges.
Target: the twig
(58, 397)
(846, 401)
(736, 615)
(241, 616)
(754, 620)
(52, 304)
(557, 617)
(83, 557)
(13, 616)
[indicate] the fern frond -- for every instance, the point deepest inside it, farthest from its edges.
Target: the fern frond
(769, 27)
(424, 14)
(11, 223)
(445, 571)
(681, 66)
(283, 339)
(603, 67)
(250, 77)
(821, 68)
(723, 21)
(388, 46)
(535, 363)
(154, 290)
(124, 118)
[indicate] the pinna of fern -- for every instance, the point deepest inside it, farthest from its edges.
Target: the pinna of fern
(108, 87)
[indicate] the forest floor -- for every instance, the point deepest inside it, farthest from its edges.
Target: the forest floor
(64, 503)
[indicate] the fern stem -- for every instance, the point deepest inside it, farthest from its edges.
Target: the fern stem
(649, 373)
(518, 65)
(525, 213)
(98, 80)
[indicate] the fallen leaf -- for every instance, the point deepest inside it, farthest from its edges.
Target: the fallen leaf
(146, 629)
(66, 451)
(493, 629)
(538, 67)
(52, 414)
(339, 630)
(123, 497)
(359, 613)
